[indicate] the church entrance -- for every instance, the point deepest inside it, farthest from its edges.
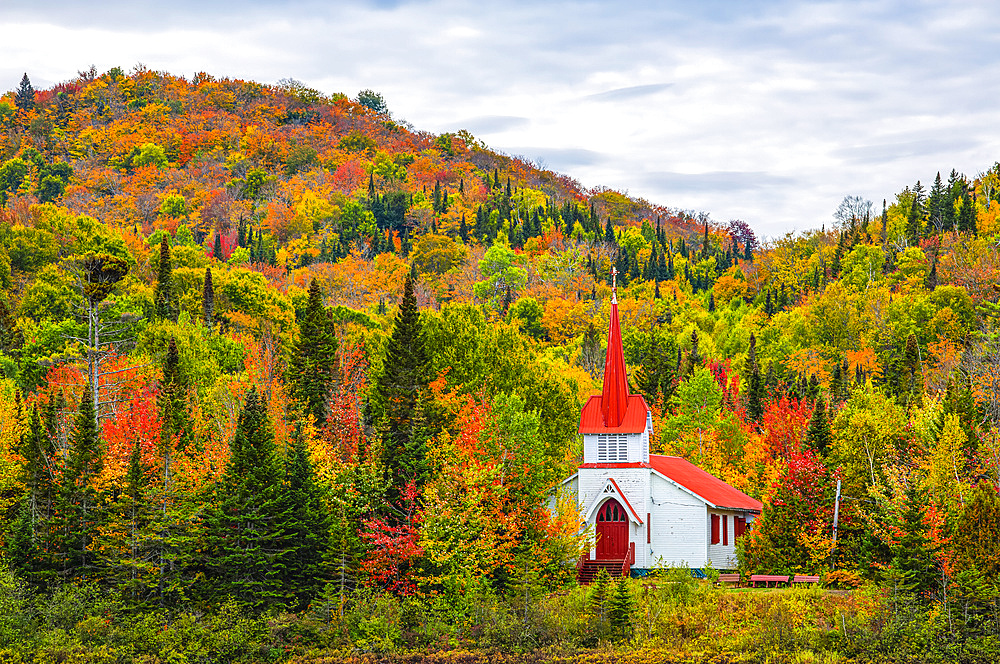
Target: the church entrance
(612, 531)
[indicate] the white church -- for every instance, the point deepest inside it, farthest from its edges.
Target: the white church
(647, 510)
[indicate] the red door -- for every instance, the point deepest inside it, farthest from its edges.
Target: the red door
(612, 531)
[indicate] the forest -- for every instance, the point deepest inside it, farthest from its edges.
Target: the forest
(283, 378)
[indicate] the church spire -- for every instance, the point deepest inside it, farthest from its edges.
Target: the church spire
(614, 396)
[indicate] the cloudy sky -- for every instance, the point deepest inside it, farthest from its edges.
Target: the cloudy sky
(769, 111)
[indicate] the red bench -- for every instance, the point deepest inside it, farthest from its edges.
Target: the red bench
(768, 579)
(805, 578)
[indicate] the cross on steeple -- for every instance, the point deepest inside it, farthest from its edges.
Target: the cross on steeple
(614, 285)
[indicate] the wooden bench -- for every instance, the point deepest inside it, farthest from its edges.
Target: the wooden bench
(805, 578)
(768, 579)
(729, 578)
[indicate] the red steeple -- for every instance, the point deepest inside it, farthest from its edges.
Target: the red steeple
(614, 396)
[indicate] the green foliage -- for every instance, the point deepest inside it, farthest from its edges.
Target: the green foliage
(503, 280)
(243, 527)
(399, 393)
(311, 367)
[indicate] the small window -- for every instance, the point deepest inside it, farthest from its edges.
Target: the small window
(715, 529)
(739, 526)
(612, 447)
(725, 530)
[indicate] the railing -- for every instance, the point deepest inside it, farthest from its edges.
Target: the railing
(584, 557)
(629, 559)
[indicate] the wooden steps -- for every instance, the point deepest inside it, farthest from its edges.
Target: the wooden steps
(588, 572)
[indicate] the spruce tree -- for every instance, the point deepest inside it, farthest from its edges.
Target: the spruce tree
(818, 434)
(314, 360)
(24, 98)
(242, 526)
(208, 300)
(967, 214)
(164, 298)
(621, 610)
(913, 567)
(173, 407)
(305, 530)
(217, 247)
(755, 389)
(76, 512)
(403, 378)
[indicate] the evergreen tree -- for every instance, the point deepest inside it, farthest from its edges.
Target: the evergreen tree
(936, 202)
(818, 434)
(164, 298)
(399, 388)
(755, 390)
(974, 533)
(967, 214)
(76, 513)
(609, 234)
(173, 407)
(24, 98)
(217, 247)
(136, 560)
(208, 300)
(621, 610)
(313, 364)
(242, 526)
(463, 230)
(913, 567)
(915, 216)
(305, 530)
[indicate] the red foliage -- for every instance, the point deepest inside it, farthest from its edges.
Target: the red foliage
(138, 423)
(343, 427)
(393, 548)
(784, 425)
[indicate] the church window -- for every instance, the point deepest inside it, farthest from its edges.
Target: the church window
(612, 447)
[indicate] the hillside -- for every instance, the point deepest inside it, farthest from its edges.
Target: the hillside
(338, 359)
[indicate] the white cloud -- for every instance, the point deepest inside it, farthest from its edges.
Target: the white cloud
(767, 111)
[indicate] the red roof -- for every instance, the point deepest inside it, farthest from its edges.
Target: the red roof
(708, 487)
(634, 421)
(614, 396)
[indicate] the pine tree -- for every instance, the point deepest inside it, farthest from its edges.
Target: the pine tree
(76, 510)
(208, 300)
(403, 378)
(755, 390)
(621, 609)
(304, 528)
(24, 98)
(818, 434)
(967, 214)
(314, 360)
(242, 530)
(609, 234)
(173, 407)
(217, 247)
(915, 216)
(463, 230)
(913, 567)
(164, 298)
